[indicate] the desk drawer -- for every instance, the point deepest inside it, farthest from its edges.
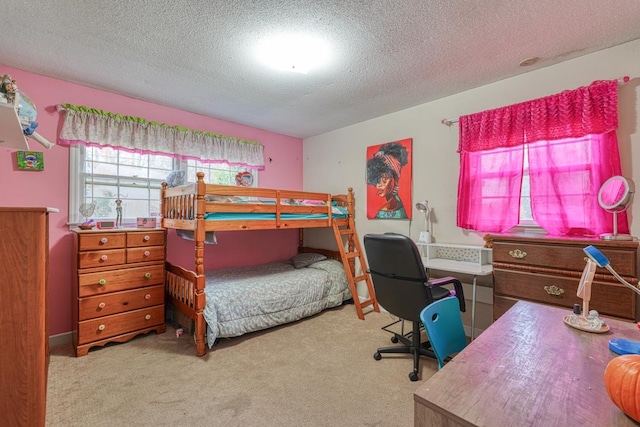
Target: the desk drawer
(110, 326)
(608, 298)
(119, 280)
(117, 302)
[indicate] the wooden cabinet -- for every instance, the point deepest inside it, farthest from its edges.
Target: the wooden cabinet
(24, 332)
(119, 291)
(548, 270)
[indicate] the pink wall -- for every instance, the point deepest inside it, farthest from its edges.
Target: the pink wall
(51, 186)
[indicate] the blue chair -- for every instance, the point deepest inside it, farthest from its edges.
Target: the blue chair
(443, 324)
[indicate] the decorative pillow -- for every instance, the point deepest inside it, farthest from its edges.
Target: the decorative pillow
(306, 259)
(176, 178)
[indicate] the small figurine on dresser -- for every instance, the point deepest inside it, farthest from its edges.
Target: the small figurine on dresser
(118, 213)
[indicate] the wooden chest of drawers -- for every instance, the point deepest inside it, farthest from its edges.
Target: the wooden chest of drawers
(548, 270)
(119, 291)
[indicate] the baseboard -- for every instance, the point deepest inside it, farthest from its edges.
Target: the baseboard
(60, 339)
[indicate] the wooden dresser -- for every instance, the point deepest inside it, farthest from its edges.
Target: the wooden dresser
(24, 331)
(548, 270)
(119, 291)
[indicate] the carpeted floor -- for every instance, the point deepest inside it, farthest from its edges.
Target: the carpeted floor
(316, 372)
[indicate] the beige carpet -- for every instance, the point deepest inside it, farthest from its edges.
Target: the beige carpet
(316, 372)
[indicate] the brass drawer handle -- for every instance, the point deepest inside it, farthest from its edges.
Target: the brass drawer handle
(101, 327)
(517, 253)
(554, 290)
(147, 317)
(101, 282)
(147, 275)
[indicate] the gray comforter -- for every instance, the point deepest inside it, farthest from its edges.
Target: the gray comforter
(247, 299)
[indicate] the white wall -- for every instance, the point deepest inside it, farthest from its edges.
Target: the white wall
(336, 160)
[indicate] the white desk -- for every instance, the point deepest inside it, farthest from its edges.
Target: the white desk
(472, 268)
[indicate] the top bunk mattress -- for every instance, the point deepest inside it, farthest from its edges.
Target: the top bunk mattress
(336, 213)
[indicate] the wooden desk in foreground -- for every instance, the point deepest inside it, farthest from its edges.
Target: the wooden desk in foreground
(527, 369)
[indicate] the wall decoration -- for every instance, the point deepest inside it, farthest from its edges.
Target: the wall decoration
(30, 160)
(389, 180)
(244, 179)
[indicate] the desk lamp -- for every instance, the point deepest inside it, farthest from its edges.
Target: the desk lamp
(425, 236)
(589, 321)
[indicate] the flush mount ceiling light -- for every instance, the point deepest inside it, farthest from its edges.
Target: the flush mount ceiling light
(296, 53)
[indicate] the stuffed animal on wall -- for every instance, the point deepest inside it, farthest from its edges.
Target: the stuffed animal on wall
(9, 88)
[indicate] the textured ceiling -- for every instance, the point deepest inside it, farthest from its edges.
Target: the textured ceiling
(388, 55)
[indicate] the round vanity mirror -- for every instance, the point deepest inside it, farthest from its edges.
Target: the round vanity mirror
(616, 195)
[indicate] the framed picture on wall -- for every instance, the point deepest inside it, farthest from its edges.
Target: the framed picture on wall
(30, 160)
(389, 180)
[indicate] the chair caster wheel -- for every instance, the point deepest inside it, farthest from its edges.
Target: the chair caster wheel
(394, 339)
(377, 355)
(413, 376)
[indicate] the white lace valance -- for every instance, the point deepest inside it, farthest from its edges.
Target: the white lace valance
(92, 127)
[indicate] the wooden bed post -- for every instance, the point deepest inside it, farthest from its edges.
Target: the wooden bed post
(199, 232)
(352, 212)
(163, 191)
(300, 239)
(199, 235)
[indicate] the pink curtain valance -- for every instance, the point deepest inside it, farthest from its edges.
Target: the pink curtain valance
(569, 114)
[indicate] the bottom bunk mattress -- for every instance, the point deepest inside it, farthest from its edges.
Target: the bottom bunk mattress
(248, 299)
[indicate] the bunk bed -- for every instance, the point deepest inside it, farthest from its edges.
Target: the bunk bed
(201, 209)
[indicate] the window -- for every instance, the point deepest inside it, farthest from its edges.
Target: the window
(101, 175)
(557, 180)
(572, 147)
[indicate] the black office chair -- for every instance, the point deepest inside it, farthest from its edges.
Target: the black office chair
(403, 288)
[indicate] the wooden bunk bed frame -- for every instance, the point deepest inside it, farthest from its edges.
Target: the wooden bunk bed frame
(184, 208)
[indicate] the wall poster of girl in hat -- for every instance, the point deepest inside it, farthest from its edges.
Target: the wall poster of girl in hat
(389, 180)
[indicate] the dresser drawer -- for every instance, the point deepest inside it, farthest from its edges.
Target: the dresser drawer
(101, 258)
(116, 324)
(119, 280)
(93, 241)
(607, 298)
(144, 254)
(146, 238)
(565, 257)
(117, 302)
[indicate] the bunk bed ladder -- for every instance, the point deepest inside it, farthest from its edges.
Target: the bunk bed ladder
(349, 253)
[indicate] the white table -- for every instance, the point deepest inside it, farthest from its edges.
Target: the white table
(472, 268)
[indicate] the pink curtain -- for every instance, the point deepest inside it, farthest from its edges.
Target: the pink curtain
(564, 193)
(489, 189)
(491, 162)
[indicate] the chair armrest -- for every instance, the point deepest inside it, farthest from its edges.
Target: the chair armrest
(457, 286)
